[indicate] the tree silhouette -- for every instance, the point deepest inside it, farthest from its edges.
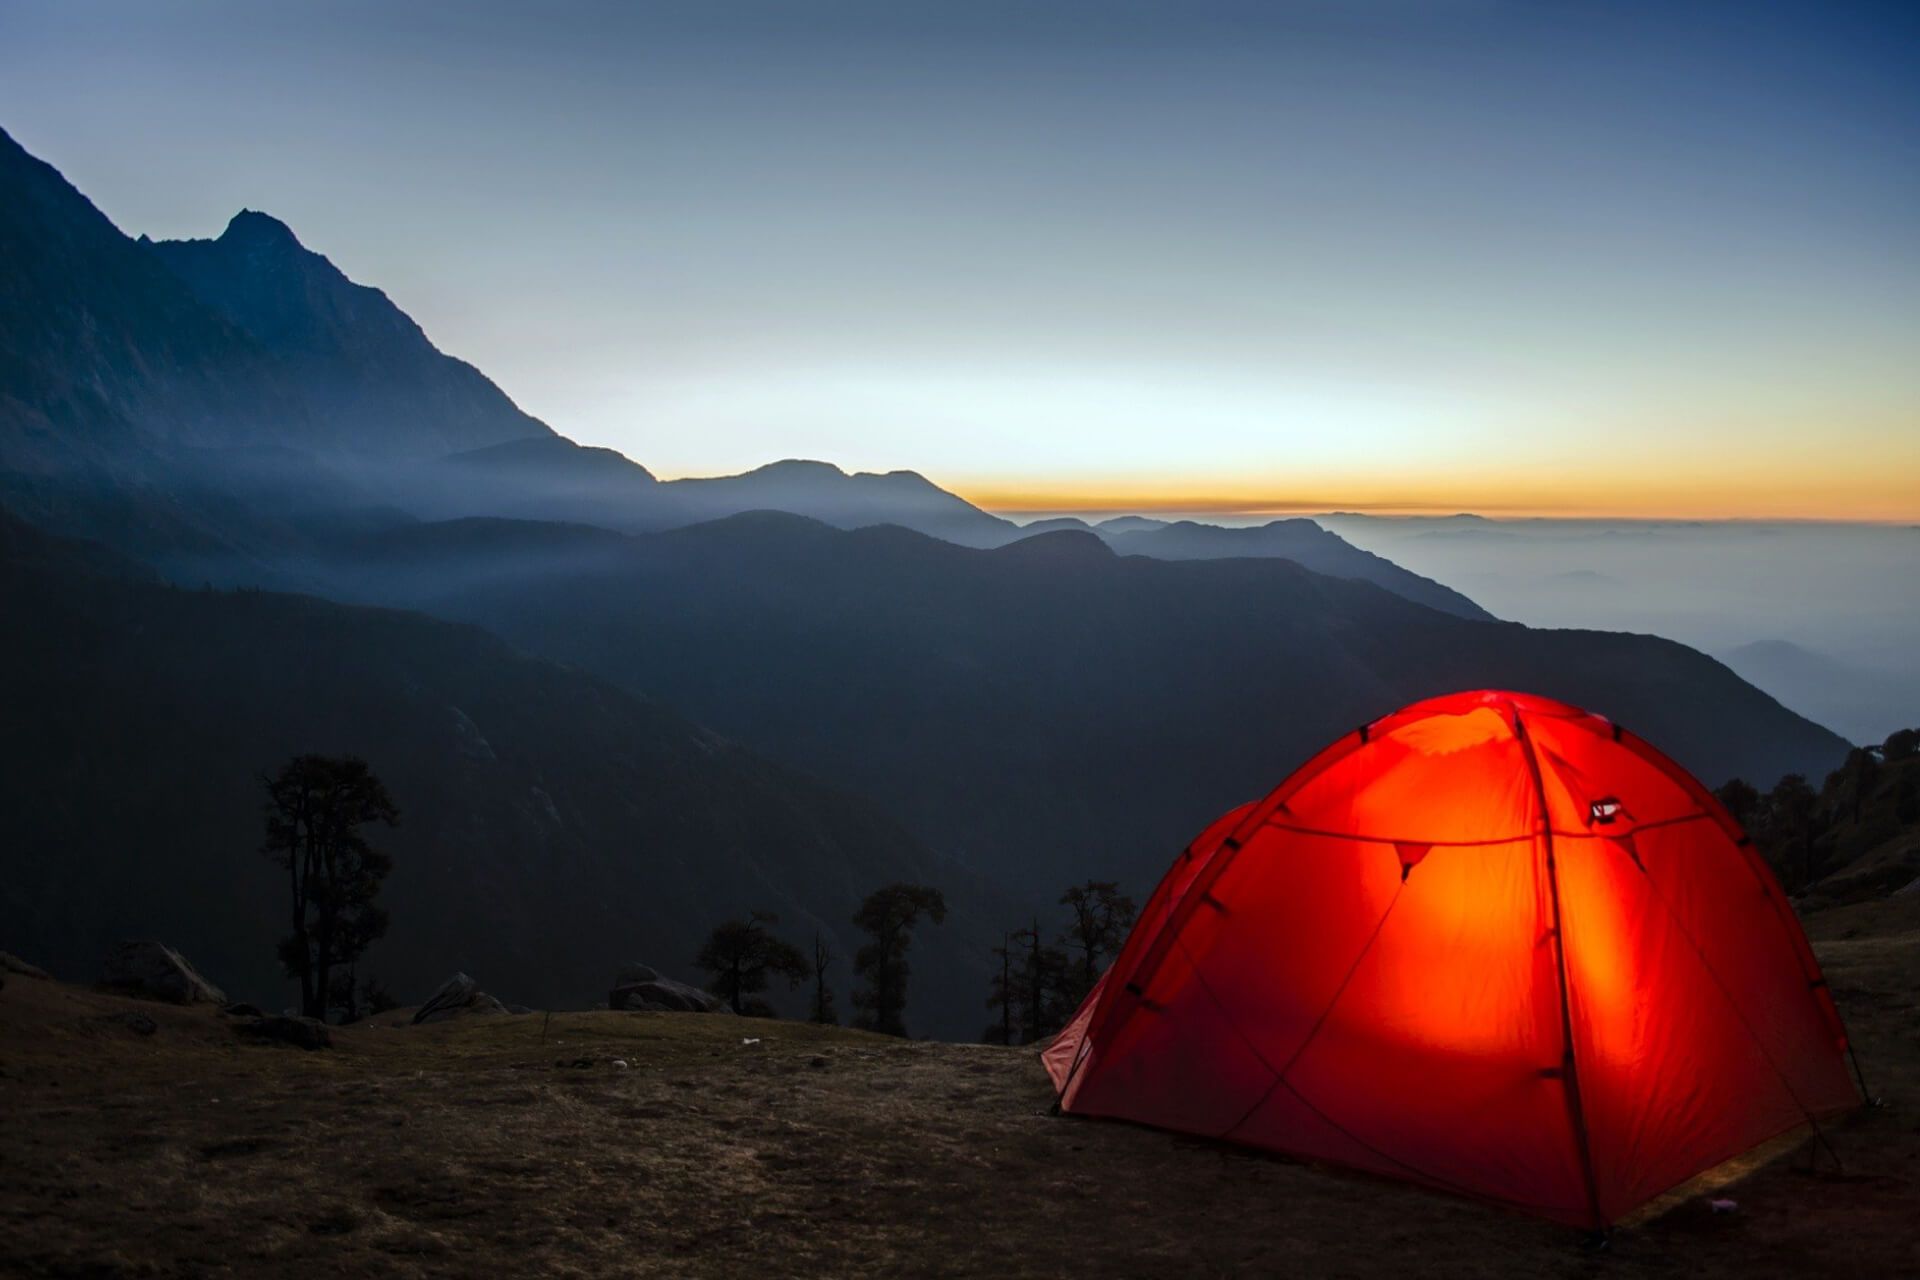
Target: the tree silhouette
(740, 954)
(1003, 994)
(316, 807)
(1101, 917)
(1740, 799)
(347, 995)
(1901, 744)
(1793, 818)
(1043, 1003)
(888, 917)
(823, 1010)
(1854, 782)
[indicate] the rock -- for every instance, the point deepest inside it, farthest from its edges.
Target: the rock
(634, 974)
(306, 1033)
(658, 994)
(518, 1008)
(10, 963)
(459, 997)
(155, 971)
(241, 1009)
(138, 1023)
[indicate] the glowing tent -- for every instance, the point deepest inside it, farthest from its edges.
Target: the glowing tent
(1490, 943)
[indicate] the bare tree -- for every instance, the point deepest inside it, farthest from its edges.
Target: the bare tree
(823, 1010)
(1004, 995)
(1101, 918)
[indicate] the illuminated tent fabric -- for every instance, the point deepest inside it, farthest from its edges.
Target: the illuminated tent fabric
(1490, 943)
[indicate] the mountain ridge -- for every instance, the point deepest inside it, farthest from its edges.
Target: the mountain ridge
(140, 715)
(1048, 722)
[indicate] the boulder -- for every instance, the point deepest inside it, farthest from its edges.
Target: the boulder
(459, 997)
(10, 963)
(241, 1009)
(638, 987)
(305, 1033)
(155, 971)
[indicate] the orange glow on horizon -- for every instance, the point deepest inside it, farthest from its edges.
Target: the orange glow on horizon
(1887, 498)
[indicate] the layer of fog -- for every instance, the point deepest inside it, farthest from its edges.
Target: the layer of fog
(1826, 617)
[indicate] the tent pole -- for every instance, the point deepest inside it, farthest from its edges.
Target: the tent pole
(1859, 1076)
(1569, 1067)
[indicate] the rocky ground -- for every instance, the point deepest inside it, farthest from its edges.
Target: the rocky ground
(143, 1139)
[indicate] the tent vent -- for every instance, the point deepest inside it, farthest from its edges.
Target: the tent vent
(1604, 810)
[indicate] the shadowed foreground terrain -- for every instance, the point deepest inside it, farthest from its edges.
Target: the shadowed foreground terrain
(739, 1146)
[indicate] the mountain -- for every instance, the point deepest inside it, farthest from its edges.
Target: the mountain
(208, 404)
(103, 350)
(826, 493)
(1299, 540)
(545, 478)
(1856, 699)
(1040, 707)
(556, 479)
(1048, 710)
(246, 340)
(371, 381)
(553, 826)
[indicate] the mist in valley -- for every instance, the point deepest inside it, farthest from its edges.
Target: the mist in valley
(1824, 616)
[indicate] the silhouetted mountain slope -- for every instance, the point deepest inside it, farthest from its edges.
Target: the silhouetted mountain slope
(1299, 540)
(1051, 710)
(824, 492)
(554, 826)
(372, 382)
(549, 478)
(1851, 697)
(249, 339)
(134, 412)
(102, 349)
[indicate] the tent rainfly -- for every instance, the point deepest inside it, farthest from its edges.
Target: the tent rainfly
(1492, 944)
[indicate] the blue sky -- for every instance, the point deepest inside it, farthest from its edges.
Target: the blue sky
(1627, 258)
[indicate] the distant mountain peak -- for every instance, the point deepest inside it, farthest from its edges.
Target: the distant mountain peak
(253, 228)
(1059, 546)
(814, 470)
(798, 467)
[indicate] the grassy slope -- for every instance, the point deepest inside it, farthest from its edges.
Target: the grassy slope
(466, 1148)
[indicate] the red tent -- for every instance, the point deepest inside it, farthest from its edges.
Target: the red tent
(1490, 943)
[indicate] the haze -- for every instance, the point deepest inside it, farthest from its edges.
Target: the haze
(1614, 258)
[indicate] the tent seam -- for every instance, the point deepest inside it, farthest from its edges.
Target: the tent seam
(1571, 1083)
(1746, 1025)
(1280, 1076)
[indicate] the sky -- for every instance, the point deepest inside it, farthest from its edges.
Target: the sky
(1561, 257)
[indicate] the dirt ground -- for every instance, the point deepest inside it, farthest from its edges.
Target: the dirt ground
(745, 1147)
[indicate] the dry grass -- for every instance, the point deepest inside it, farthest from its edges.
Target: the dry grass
(469, 1149)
